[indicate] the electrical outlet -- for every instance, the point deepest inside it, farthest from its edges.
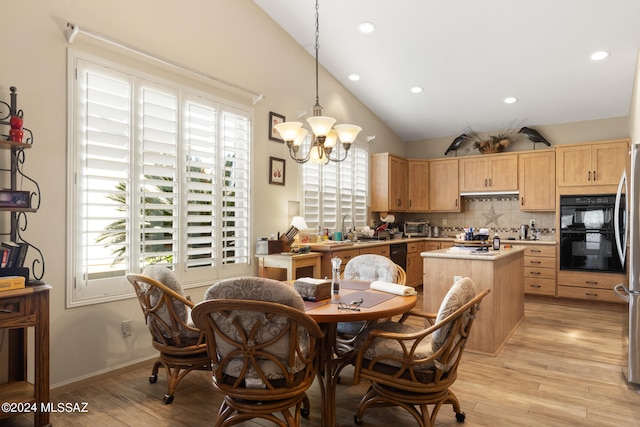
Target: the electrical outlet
(126, 328)
(444, 222)
(532, 223)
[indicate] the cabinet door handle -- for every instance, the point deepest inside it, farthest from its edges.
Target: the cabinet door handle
(521, 201)
(536, 250)
(485, 182)
(591, 294)
(490, 182)
(456, 202)
(591, 282)
(594, 176)
(535, 262)
(536, 272)
(535, 286)
(589, 176)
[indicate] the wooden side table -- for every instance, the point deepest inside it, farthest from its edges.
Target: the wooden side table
(19, 310)
(291, 263)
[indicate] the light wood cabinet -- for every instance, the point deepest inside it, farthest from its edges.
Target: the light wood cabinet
(489, 173)
(382, 250)
(444, 194)
(540, 270)
(414, 264)
(388, 183)
(590, 285)
(591, 164)
(537, 180)
(418, 185)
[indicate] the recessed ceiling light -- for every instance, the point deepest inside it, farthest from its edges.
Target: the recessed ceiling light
(354, 77)
(510, 100)
(416, 89)
(599, 56)
(366, 27)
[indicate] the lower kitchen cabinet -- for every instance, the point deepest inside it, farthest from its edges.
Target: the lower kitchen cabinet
(540, 270)
(590, 285)
(414, 264)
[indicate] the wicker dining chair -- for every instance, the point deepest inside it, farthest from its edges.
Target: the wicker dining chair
(180, 344)
(264, 349)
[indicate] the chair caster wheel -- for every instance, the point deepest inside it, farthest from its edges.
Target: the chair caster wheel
(168, 398)
(460, 416)
(304, 413)
(357, 420)
(153, 379)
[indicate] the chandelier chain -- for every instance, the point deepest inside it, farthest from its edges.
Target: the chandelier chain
(317, 109)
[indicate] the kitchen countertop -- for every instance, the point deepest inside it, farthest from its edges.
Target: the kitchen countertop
(490, 255)
(328, 246)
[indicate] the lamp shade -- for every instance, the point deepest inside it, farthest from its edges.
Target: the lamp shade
(288, 130)
(347, 133)
(299, 223)
(321, 125)
(332, 139)
(300, 136)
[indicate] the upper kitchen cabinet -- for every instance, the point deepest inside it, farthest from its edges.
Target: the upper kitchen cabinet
(489, 173)
(418, 185)
(388, 183)
(537, 180)
(444, 194)
(591, 164)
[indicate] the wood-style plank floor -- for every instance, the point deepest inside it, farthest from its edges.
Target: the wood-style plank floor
(563, 366)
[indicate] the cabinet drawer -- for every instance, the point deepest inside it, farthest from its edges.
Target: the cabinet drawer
(412, 247)
(539, 262)
(607, 295)
(376, 250)
(590, 280)
(539, 250)
(533, 285)
(12, 308)
(540, 273)
(345, 256)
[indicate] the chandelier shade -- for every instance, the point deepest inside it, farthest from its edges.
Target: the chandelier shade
(325, 135)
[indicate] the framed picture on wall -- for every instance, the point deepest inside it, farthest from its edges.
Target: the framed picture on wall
(274, 119)
(276, 171)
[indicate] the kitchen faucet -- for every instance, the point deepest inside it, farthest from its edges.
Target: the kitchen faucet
(353, 225)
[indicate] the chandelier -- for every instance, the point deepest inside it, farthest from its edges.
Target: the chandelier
(325, 134)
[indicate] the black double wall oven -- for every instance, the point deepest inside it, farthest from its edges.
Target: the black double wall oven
(588, 233)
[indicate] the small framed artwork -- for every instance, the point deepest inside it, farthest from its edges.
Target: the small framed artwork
(276, 171)
(274, 119)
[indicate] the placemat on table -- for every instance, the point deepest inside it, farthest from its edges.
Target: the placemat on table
(369, 299)
(356, 285)
(310, 305)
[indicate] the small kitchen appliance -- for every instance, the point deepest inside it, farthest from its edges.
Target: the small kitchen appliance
(417, 229)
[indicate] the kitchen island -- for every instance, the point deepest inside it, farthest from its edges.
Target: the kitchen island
(500, 271)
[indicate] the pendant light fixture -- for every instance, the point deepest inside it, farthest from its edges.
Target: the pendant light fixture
(324, 134)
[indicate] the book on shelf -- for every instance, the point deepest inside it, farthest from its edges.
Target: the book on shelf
(13, 254)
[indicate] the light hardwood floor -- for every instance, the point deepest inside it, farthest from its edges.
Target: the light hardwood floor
(562, 367)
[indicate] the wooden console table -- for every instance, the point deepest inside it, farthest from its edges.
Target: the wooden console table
(19, 310)
(290, 262)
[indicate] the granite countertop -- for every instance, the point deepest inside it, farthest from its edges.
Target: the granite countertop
(490, 255)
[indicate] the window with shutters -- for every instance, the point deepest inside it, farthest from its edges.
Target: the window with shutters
(333, 190)
(161, 175)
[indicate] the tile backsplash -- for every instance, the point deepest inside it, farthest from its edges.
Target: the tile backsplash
(500, 214)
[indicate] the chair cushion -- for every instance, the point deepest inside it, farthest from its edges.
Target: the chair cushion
(459, 294)
(260, 289)
(371, 267)
(168, 278)
(392, 347)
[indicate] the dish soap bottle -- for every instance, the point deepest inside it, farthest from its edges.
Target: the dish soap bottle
(496, 242)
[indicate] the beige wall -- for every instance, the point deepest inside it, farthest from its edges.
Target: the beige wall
(231, 40)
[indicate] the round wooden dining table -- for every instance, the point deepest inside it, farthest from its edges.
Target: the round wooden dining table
(328, 314)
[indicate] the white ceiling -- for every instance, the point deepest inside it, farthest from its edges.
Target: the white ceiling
(469, 55)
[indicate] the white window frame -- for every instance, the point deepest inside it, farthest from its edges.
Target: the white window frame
(324, 190)
(227, 141)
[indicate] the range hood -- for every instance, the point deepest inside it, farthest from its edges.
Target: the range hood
(489, 193)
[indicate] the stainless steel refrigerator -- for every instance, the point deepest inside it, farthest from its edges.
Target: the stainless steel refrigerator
(628, 234)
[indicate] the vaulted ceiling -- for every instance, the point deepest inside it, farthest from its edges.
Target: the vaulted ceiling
(469, 55)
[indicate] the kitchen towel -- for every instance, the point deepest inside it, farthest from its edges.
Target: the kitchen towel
(393, 288)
